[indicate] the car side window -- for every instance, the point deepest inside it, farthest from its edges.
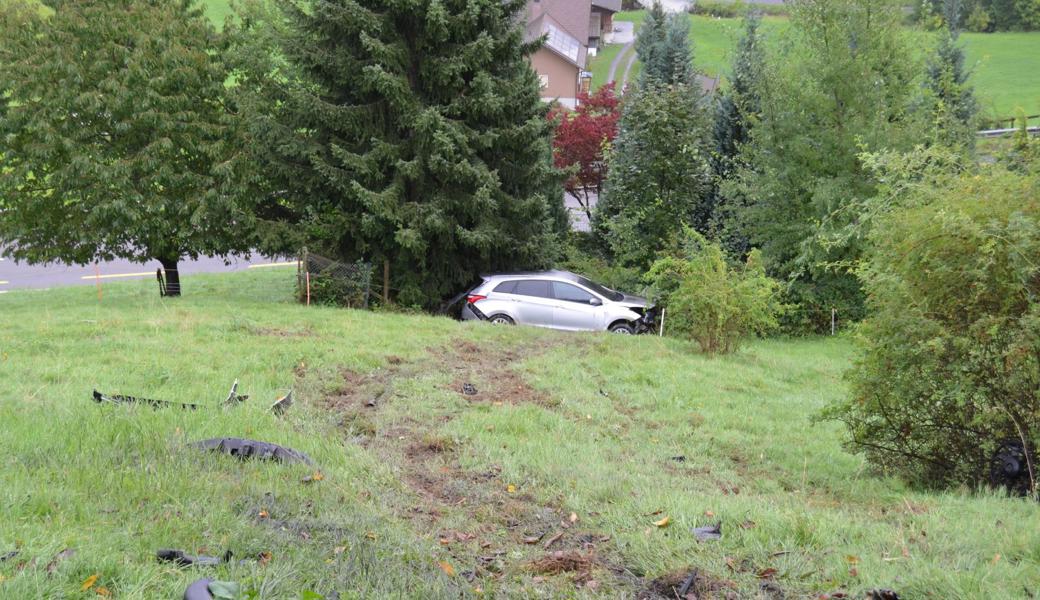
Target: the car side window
(532, 287)
(506, 287)
(570, 293)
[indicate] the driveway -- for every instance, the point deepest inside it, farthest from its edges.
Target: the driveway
(624, 33)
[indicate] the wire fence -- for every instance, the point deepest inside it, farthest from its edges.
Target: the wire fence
(322, 280)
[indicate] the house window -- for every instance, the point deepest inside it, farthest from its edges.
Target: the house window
(543, 80)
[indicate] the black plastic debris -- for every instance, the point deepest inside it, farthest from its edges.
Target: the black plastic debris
(679, 458)
(207, 589)
(198, 590)
(233, 398)
(1012, 468)
(708, 532)
(118, 399)
(282, 404)
(246, 449)
(8, 555)
(881, 594)
(181, 559)
(688, 583)
(771, 590)
(469, 389)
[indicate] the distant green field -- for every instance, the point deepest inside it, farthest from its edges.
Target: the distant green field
(1007, 65)
(1007, 72)
(217, 9)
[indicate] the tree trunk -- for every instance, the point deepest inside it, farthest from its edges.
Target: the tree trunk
(173, 278)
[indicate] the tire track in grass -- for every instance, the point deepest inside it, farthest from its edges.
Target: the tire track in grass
(490, 532)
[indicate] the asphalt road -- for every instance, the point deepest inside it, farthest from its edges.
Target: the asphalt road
(20, 275)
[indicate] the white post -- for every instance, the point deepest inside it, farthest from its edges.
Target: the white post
(661, 331)
(834, 320)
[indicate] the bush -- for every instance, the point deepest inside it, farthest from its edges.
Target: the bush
(333, 283)
(585, 256)
(950, 363)
(711, 302)
(978, 20)
(724, 9)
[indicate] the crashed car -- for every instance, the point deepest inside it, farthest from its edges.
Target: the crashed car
(557, 300)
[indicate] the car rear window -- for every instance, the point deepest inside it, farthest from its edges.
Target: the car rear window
(532, 287)
(506, 287)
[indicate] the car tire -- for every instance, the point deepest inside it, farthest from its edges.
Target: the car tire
(501, 320)
(622, 328)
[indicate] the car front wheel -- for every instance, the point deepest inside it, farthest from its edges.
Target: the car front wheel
(622, 328)
(501, 320)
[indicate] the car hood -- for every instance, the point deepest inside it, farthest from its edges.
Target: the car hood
(630, 301)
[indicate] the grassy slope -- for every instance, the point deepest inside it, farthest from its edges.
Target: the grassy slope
(593, 436)
(1007, 72)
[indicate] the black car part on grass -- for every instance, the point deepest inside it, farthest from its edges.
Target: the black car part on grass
(247, 449)
(207, 589)
(708, 532)
(1013, 468)
(233, 398)
(119, 399)
(181, 559)
(282, 404)
(198, 590)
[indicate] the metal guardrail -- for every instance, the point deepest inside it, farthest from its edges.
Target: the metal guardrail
(995, 133)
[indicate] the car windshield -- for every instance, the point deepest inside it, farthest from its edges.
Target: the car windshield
(599, 289)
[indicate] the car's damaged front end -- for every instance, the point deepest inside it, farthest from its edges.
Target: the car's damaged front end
(648, 313)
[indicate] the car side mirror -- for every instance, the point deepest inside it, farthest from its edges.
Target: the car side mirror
(595, 301)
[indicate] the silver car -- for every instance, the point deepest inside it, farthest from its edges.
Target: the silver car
(558, 300)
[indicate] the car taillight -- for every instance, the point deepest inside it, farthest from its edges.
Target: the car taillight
(474, 298)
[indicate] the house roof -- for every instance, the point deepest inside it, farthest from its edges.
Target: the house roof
(565, 23)
(608, 5)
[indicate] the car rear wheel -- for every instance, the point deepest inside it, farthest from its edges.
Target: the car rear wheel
(501, 320)
(622, 328)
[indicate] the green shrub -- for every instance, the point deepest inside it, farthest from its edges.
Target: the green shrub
(710, 301)
(585, 256)
(724, 9)
(978, 20)
(950, 363)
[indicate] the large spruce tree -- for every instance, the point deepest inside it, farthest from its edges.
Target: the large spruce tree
(408, 133)
(116, 139)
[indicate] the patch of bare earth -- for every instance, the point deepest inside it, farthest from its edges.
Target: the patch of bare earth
(506, 532)
(691, 584)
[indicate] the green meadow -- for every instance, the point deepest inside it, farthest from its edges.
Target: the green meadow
(1006, 65)
(578, 469)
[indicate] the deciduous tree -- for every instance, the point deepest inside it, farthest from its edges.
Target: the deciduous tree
(846, 81)
(582, 138)
(116, 139)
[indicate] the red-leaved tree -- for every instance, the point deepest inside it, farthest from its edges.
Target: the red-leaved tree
(582, 138)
